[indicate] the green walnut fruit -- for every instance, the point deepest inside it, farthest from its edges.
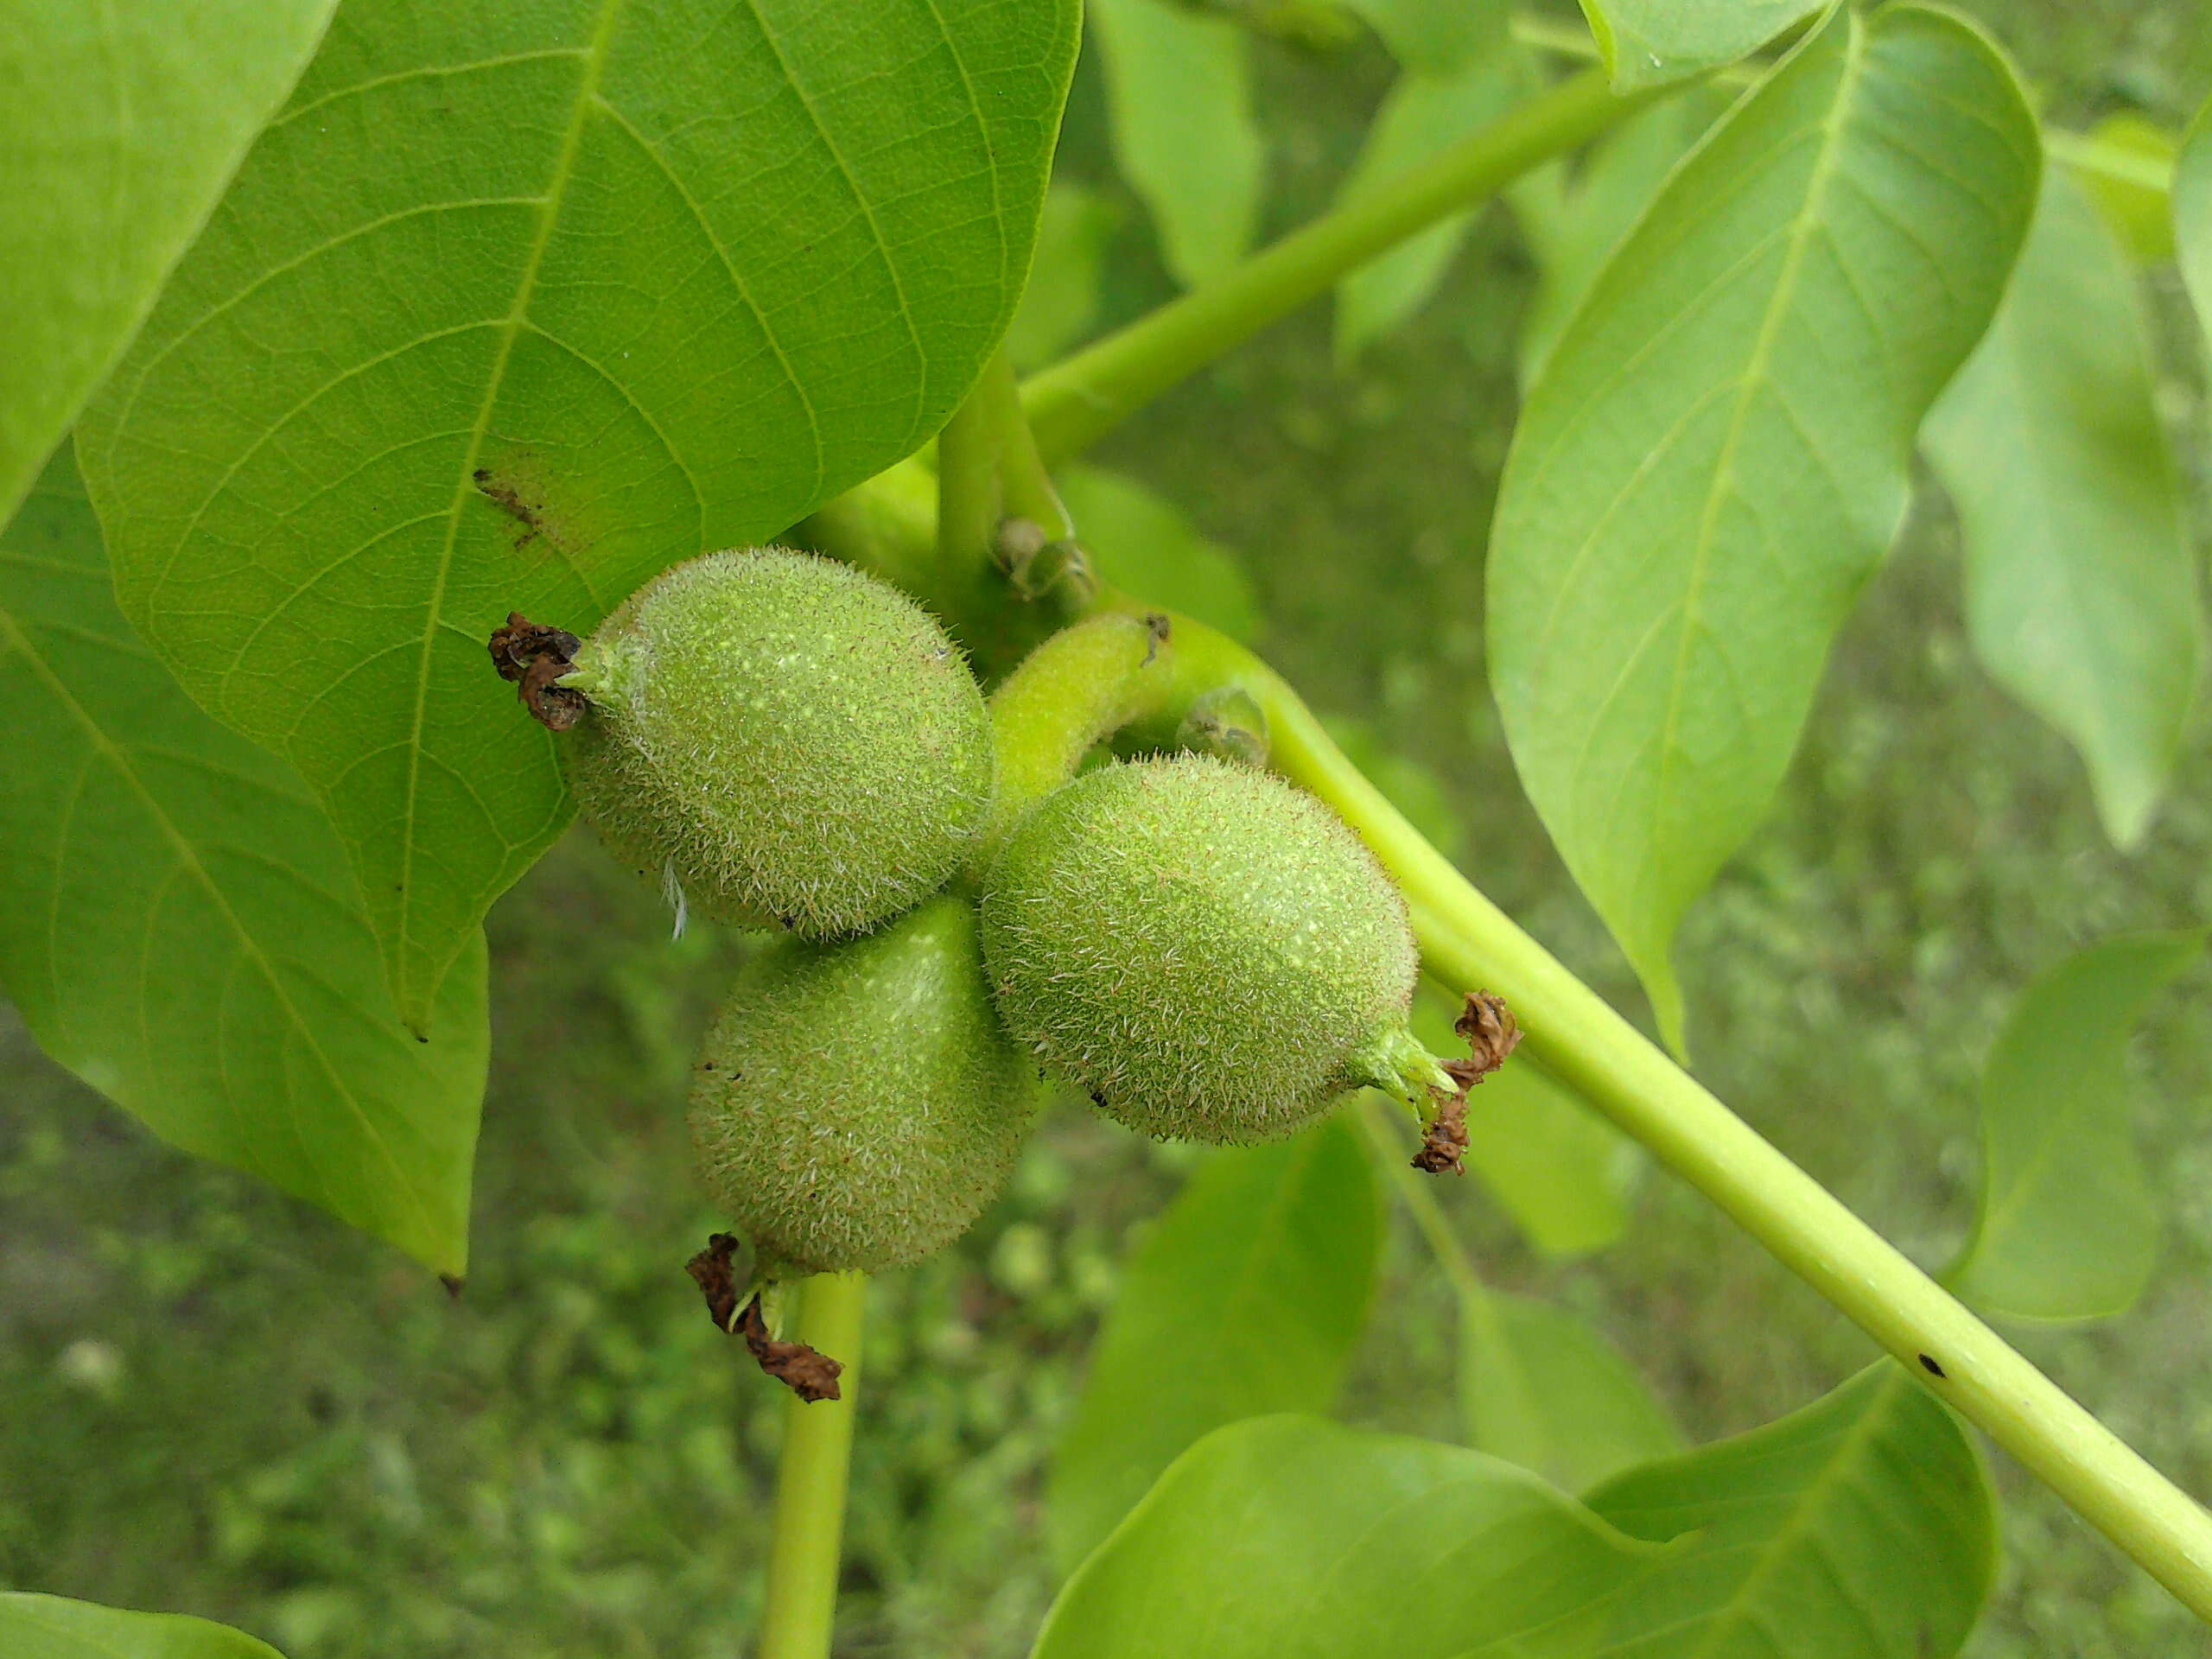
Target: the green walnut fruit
(856, 1104)
(782, 740)
(1204, 949)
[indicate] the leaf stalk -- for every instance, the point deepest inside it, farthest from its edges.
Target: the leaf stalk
(801, 1600)
(1077, 401)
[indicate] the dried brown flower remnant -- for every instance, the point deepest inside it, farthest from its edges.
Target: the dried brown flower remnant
(711, 1270)
(1491, 1034)
(807, 1373)
(1490, 1030)
(1444, 1142)
(533, 657)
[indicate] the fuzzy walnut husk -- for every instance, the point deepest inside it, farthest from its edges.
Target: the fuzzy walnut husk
(1203, 948)
(856, 1104)
(786, 739)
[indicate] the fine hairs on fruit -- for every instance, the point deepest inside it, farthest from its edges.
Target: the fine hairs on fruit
(783, 739)
(1204, 950)
(856, 1104)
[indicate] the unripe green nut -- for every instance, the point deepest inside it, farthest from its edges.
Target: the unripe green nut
(856, 1104)
(1203, 948)
(787, 739)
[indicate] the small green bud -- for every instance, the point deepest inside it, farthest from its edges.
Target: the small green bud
(857, 1104)
(783, 739)
(1203, 948)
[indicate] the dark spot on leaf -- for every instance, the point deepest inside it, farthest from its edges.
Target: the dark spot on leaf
(1928, 1364)
(524, 504)
(533, 657)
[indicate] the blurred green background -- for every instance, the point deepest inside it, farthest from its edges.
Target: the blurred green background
(216, 1399)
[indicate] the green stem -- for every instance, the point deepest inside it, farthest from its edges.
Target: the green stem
(1467, 941)
(1073, 403)
(989, 470)
(888, 525)
(802, 1592)
(1027, 489)
(1078, 688)
(967, 486)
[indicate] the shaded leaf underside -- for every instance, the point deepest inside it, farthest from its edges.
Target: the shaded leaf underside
(178, 927)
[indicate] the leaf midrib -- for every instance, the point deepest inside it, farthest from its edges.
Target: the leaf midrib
(1799, 1520)
(2108, 1058)
(1802, 230)
(564, 167)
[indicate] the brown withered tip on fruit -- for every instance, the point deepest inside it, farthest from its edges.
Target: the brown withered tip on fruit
(533, 657)
(806, 1373)
(1444, 1142)
(1491, 1034)
(711, 1271)
(809, 1374)
(1490, 1031)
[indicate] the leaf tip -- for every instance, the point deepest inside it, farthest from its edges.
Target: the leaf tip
(1664, 991)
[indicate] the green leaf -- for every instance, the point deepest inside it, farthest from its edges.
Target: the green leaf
(1060, 304)
(1141, 542)
(119, 127)
(2192, 211)
(2136, 207)
(1573, 234)
(1862, 1526)
(2069, 1227)
(656, 278)
(2081, 579)
(179, 926)
(1245, 1298)
(1540, 1388)
(1563, 1173)
(1436, 37)
(1651, 42)
(1719, 451)
(1423, 113)
(1178, 86)
(50, 1627)
(1290, 1538)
